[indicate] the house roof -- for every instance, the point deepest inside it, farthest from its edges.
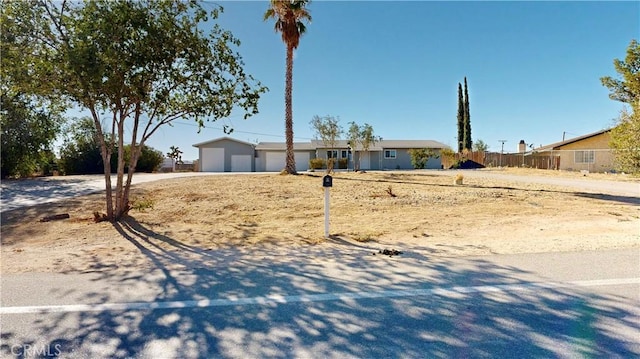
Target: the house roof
(282, 146)
(380, 145)
(555, 146)
(221, 139)
(318, 144)
(411, 144)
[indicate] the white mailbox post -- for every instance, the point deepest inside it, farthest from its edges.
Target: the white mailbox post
(327, 183)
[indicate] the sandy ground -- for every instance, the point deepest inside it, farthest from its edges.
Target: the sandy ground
(409, 211)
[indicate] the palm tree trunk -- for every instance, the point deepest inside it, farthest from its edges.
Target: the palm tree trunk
(291, 162)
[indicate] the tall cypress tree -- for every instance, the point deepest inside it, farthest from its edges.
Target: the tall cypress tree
(460, 118)
(467, 118)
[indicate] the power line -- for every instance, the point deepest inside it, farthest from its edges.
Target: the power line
(238, 131)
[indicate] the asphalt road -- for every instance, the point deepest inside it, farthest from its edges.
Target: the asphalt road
(323, 301)
(329, 302)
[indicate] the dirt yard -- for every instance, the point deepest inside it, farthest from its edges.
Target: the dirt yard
(403, 210)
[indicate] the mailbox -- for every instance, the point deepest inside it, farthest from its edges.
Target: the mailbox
(327, 181)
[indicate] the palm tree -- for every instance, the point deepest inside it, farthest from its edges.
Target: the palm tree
(289, 16)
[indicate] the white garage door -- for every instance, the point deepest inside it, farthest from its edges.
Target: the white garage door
(302, 161)
(213, 160)
(240, 163)
(275, 161)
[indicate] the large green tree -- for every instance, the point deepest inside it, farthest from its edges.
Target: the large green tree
(467, 119)
(290, 17)
(627, 88)
(80, 150)
(625, 136)
(28, 124)
(460, 119)
(28, 133)
(625, 141)
(132, 64)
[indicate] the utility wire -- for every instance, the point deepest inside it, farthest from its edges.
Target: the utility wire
(238, 131)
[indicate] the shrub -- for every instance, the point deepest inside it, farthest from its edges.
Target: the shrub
(150, 160)
(342, 163)
(420, 157)
(317, 163)
(142, 204)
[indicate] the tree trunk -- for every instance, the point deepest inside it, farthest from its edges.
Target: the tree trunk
(134, 155)
(291, 161)
(133, 161)
(106, 159)
(120, 205)
(105, 153)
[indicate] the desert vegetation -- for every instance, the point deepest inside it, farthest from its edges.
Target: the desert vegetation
(481, 216)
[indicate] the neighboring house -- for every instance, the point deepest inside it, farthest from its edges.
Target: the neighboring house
(218, 155)
(168, 165)
(585, 153)
(226, 154)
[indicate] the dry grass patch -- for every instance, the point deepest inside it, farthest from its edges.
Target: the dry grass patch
(425, 211)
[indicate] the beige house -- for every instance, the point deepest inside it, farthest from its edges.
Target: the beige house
(585, 153)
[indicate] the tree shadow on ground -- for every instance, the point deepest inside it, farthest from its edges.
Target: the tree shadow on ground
(18, 193)
(329, 301)
(612, 198)
(31, 214)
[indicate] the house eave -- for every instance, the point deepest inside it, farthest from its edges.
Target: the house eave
(556, 146)
(222, 139)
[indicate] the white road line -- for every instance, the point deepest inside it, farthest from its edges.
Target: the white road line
(284, 299)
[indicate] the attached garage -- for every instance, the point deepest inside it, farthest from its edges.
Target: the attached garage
(212, 160)
(275, 161)
(241, 163)
(226, 155)
(302, 160)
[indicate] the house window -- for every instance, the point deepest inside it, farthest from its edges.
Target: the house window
(585, 157)
(389, 154)
(343, 154)
(332, 154)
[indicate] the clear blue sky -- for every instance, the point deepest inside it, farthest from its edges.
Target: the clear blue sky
(533, 70)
